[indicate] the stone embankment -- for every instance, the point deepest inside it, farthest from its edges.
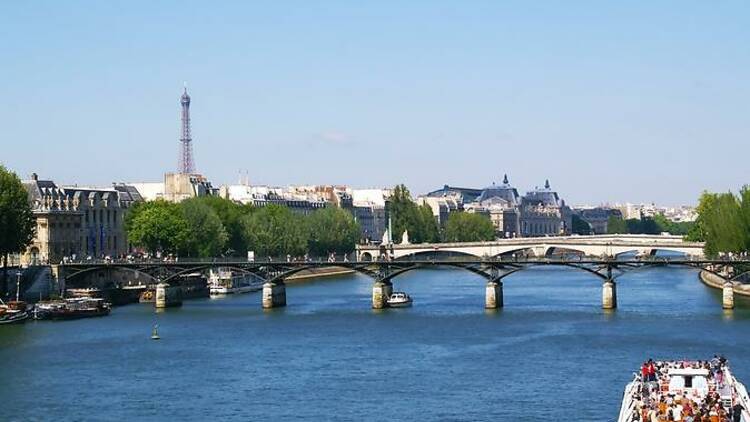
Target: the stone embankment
(712, 280)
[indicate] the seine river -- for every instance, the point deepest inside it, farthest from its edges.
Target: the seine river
(551, 354)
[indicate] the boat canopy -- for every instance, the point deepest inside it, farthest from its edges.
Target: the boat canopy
(688, 371)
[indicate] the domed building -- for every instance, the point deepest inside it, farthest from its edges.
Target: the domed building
(543, 213)
(500, 203)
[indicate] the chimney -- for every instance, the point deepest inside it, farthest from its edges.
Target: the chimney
(34, 177)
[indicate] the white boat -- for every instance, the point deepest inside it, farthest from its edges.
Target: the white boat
(399, 300)
(685, 388)
(224, 282)
(13, 312)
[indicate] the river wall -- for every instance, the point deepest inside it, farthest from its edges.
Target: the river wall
(712, 280)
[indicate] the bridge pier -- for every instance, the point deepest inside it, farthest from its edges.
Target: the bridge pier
(274, 295)
(609, 294)
(381, 291)
(493, 295)
(168, 296)
(727, 301)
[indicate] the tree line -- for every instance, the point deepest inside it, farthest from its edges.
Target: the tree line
(648, 225)
(422, 226)
(17, 223)
(723, 222)
(212, 226)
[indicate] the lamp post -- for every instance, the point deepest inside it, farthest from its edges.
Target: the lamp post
(18, 284)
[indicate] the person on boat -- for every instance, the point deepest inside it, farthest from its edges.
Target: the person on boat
(651, 371)
(677, 412)
(653, 415)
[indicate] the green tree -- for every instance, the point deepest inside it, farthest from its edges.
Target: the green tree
(468, 227)
(275, 230)
(17, 223)
(725, 227)
(407, 216)
(207, 236)
(745, 215)
(428, 230)
(616, 225)
(231, 214)
(158, 226)
(580, 226)
(665, 225)
(332, 230)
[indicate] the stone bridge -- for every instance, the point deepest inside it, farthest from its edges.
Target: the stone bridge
(593, 246)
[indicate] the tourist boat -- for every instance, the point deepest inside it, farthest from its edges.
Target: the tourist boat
(399, 300)
(13, 312)
(72, 308)
(685, 387)
(223, 282)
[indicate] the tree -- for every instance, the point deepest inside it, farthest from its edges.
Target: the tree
(332, 230)
(429, 232)
(723, 222)
(231, 214)
(580, 226)
(407, 216)
(468, 227)
(158, 226)
(665, 225)
(275, 230)
(616, 225)
(17, 223)
(207, 236)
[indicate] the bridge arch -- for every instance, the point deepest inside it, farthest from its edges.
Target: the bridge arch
(437, 254)
(70, 278)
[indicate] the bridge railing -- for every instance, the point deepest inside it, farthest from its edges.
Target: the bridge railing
(333, 260)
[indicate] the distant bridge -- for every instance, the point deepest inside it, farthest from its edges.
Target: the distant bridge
(493, 270)
(591, 246)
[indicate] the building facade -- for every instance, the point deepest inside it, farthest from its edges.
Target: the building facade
(76, 222)
(540, 212)
(543, 213)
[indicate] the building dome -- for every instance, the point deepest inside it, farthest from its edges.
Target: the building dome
(543, 196)
(504, 191)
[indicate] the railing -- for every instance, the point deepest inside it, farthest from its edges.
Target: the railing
(628, 404)
(740, 391)
(421, 259)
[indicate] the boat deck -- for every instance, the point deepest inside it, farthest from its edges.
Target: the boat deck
(697, 391)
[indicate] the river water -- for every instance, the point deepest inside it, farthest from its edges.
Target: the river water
(551, 354)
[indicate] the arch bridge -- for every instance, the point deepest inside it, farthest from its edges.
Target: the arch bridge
(383, 272)
(593, 246)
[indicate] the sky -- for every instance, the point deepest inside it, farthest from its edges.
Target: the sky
(611, 101)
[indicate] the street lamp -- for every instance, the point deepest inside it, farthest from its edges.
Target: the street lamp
(18, 284)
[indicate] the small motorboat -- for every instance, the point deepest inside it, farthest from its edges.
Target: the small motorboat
(399, 300)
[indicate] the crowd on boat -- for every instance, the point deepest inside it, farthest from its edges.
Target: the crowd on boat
(704, 399)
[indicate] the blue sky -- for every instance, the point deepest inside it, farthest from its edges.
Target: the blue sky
(612, 101)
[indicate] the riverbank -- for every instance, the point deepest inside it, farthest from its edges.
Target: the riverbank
(313, 273)
(712, 280)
